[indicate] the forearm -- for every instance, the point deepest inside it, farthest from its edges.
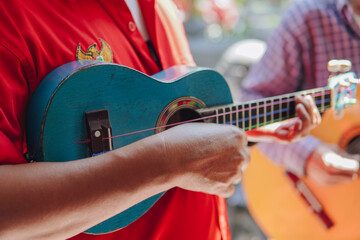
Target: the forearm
(59, 200)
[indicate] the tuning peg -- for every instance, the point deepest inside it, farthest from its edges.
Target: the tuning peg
(335, 66)
(345, 65)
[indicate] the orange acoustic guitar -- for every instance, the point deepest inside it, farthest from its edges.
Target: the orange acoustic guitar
(283, 213)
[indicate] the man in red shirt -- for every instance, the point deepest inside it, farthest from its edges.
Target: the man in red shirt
(52, 200)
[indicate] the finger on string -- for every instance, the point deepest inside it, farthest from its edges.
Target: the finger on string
(315, 115)
(304, 100)
(299, 125)
(310, 107)
(303, 116)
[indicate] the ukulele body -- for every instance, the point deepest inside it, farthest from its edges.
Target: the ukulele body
(134, 101)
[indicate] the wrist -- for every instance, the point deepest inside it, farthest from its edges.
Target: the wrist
(152, 166)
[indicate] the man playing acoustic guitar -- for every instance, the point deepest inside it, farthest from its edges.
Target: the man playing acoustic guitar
(311, 33)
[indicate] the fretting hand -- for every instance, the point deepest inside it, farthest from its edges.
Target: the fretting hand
(291, 130)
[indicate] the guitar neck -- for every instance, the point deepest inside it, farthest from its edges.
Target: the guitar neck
(254, 114)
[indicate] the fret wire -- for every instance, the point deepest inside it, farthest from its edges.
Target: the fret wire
(262, 119)
(227, 117)
(322, 100)
(328, 96)
(294, 105)
(224, 115)
(265, 111)
(314, 97)
(283, 107)
(237, 115)
(250, 119)
(231, 122)
(232, 110)
(305, 93)
(313, 93)
(217, 116)
(243, 117)
(272, 110)
(257, 113)
(246, 116)
(288, 107)
(280, 109)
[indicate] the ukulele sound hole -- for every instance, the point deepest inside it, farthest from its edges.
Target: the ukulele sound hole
(180, 110)
(183, 115)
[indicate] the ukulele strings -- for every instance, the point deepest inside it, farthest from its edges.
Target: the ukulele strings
(218, 115)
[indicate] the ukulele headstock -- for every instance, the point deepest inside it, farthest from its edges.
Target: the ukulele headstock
(343, 84)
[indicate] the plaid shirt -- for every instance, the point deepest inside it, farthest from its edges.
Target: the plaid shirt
(311, 33)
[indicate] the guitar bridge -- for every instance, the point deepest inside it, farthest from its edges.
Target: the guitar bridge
(99, 131)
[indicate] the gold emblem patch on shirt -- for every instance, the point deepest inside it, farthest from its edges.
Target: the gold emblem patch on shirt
(92, 53)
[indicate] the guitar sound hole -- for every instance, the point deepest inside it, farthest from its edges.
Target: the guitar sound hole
(354, 146)
(183, 115)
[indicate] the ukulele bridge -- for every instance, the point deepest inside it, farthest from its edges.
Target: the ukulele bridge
(99, 131)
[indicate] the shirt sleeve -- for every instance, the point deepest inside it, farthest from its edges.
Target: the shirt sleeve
(14, 92)
(291, 156)
(280, 71)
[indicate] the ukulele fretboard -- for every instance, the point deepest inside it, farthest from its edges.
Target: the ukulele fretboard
(254, 114)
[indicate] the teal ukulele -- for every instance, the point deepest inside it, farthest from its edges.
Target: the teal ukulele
(86, 108)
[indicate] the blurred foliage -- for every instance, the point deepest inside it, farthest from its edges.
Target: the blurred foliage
(233, 18)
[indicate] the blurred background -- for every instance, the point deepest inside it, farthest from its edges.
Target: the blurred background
(230, 36)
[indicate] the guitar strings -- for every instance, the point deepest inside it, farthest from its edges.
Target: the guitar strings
(218, 115)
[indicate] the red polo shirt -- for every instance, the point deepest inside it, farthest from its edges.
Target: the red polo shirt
(38, 36)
